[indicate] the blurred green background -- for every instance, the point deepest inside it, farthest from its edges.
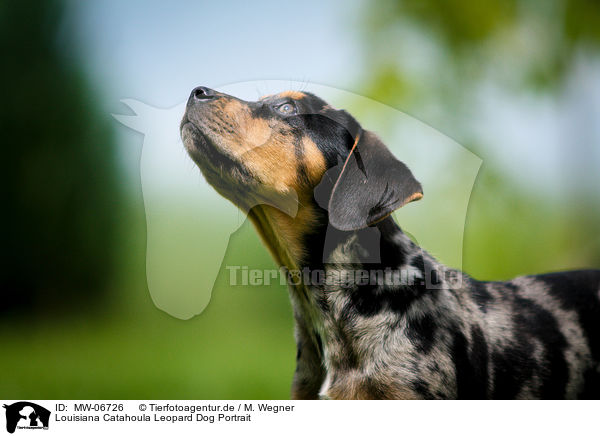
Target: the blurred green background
(516, 82)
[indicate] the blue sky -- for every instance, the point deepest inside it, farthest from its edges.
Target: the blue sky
(156, 54)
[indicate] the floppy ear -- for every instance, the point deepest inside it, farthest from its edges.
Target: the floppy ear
(371, 185)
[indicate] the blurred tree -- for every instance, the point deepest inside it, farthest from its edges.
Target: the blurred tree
(523, 42)
(436, 57)
(61, 200)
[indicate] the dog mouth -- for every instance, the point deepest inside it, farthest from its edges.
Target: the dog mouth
(217, 165)
(195, 141)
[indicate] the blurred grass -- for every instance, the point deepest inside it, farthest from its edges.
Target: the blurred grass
(510, 231)
(241, 346)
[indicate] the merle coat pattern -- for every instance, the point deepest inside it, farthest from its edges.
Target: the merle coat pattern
(320, 190)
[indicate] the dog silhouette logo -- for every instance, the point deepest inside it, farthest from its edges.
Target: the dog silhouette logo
(26, 415)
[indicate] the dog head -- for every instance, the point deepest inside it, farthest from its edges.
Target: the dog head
(294, 147)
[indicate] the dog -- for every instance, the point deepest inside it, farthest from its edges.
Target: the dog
(385, 320)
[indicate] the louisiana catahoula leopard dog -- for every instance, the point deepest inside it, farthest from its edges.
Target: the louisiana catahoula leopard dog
(376, 316)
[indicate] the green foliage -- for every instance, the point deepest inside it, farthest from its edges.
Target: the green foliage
(459, 22)
(440, 53)
(62, 203)
(241, 346)
(61, 197)
(539, 39)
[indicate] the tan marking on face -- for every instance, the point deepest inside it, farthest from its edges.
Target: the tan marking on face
(296, 95)
(314, 161)
(255, 132)
(273, 161)
(264, 147)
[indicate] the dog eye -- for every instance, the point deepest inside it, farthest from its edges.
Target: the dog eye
(286, 109)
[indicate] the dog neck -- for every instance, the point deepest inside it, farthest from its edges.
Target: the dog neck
(308, 242)
(338, 277)
(313, 251)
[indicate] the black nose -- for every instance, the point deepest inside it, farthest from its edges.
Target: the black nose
(203, 93)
